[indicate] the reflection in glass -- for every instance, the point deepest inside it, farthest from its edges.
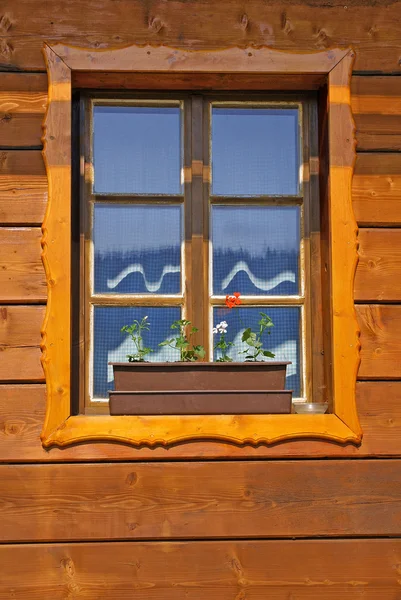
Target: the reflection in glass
(256, 250)
(110, 345)
(137, 149)
(255, 151)
(283, 341)
(137, 249)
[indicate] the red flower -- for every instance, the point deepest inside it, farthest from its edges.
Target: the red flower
(233, 300)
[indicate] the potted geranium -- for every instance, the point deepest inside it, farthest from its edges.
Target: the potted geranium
(190, 386)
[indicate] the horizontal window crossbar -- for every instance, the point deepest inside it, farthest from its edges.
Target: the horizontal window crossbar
(249, 200)
(262, 300)
(137, 300)
(138, 199)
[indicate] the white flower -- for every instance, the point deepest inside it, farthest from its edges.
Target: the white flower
(144, 318)
(221, 327)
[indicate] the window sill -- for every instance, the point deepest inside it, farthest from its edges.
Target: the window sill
(166, 430)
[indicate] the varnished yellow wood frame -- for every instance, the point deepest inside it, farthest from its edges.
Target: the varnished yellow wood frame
(60, 427)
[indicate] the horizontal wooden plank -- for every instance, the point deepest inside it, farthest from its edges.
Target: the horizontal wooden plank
(380, 341)
(237, 499)
(370, 28)
(22, 413)
(376, 189)
(130, 80)
(380, 334)
(19, 343)
(22, 276)
(379, 267)
(378, 163)
(23, 98)
(23, 82)
(23, 187)
(22, 163)
(378, 132)
(21, 117)
(376, 104)
(19, 129)
(220, 570)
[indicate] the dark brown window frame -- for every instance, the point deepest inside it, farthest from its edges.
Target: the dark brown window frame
(197, 201)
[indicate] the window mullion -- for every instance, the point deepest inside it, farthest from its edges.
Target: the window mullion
(197, 309)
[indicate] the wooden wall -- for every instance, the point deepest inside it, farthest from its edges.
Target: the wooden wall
(299, 520)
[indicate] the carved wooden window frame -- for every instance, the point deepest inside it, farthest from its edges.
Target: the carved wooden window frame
(61, 428)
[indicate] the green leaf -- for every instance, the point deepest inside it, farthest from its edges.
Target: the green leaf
(181, 343)
(252, 340)
(200, 351)
(246, 334)
(268, 354)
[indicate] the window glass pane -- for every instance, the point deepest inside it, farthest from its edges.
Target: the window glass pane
(137, 149)
(137, 249)
(255, 151)
(112, 345)
(283, 340)
(256, 250)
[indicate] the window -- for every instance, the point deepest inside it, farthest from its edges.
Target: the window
(166, 241)
(233, 69)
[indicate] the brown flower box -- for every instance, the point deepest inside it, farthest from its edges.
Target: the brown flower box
(199, 388)
(229, 402)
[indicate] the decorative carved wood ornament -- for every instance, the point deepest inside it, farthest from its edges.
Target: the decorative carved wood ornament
(60, 427)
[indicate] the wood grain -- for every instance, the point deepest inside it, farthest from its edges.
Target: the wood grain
(23, 82)
(113, 80)
(22, 277)
(221, 570)
(56, 244)
(22, 410)
(23, 98)
(149, 58)
(374, 29)
(376, 104)
(379, 267)
(380, 341)
(204, 500)
(21, 116)
(376, 189)
(342, 246)
(23, 187)
(19, 343)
